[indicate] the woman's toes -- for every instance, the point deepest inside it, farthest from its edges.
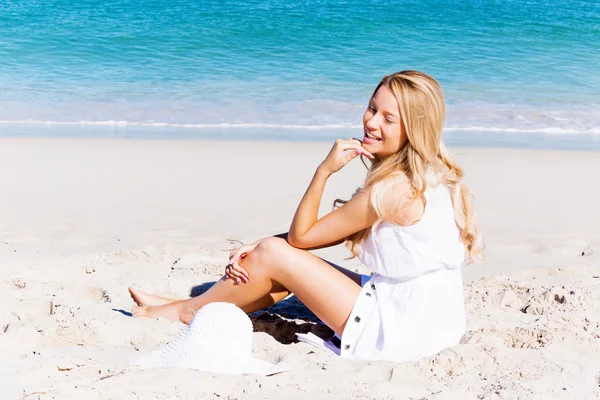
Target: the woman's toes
(139, 311)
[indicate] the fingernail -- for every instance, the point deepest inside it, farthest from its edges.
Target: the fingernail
(231, 260)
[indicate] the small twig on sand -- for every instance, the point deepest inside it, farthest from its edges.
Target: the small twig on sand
(236, 241)
(31, 394)
(111, 375)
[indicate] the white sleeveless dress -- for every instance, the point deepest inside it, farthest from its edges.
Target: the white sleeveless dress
(413, 305)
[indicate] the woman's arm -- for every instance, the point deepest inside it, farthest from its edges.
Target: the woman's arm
(307, 231)
(284, 236)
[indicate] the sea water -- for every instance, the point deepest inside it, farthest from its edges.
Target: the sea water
(514, 72)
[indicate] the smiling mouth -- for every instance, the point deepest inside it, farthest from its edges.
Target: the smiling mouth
(367, 134)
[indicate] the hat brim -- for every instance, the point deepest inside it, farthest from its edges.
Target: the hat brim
(173, 354)
(252, 367)
(207, 344)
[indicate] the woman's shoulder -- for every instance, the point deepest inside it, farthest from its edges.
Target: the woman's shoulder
(395, 183)
(396, 186)
(392, 195)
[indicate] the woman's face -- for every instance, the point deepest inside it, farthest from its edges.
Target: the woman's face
(382, 125)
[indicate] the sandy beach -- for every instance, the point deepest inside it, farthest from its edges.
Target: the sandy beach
(82, 219)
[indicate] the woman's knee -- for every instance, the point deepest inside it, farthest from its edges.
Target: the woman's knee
(272, 249)
(267, 258)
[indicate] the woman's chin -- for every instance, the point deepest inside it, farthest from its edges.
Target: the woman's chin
(371, 148)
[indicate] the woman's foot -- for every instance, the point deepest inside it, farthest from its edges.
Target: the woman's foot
(170, 311)
(144, 299)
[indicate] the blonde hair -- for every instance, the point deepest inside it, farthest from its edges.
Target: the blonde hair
(421, 106)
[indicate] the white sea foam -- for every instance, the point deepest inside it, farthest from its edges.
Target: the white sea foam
(257, 125)
(546, 130)
(223, 125)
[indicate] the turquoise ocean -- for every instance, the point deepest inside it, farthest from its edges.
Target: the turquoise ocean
(515, 73)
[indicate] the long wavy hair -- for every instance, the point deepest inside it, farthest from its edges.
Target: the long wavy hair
(422, 109)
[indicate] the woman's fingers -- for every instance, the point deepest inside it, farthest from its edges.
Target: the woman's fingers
(239, 276)
(233, 269)
(235, 277)
(356, 147)
(359, 147)
(342, 152)
(236, 255)
(365, 152)
(241, 253)
(352, 155)
(236, 266)
(354, 144)
(240, 270)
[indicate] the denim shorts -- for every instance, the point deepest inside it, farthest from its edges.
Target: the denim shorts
(364, 279)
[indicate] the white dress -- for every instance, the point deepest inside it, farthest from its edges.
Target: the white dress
(413, 305)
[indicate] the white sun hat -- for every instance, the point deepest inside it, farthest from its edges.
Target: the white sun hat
(218, 340)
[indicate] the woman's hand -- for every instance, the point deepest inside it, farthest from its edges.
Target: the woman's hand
(342, 152)
(233, 269)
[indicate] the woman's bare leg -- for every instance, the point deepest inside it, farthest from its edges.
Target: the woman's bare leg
(277, 294)
(274, 267)
(145, 299)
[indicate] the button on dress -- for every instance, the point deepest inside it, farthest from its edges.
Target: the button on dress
(413, 305)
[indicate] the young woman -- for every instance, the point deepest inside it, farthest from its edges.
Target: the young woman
(413, 224)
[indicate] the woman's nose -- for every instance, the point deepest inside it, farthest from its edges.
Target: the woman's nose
(372, 123)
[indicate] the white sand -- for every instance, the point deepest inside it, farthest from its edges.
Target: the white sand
(82, 219)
